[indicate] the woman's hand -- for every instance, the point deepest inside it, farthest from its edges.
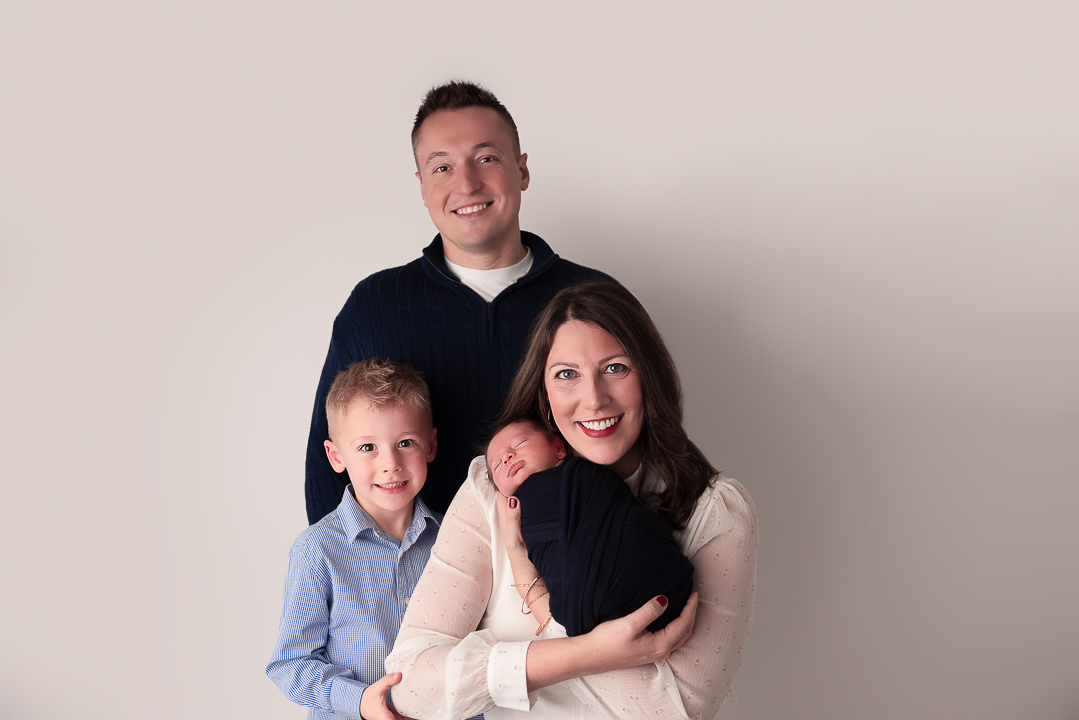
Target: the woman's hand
(613, 645)
(626, 642)
(523, 569)
(373, 705)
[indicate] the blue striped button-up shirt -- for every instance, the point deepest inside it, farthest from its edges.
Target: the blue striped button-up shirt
(347, 587)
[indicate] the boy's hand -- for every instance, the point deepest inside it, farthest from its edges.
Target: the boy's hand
(373, 705)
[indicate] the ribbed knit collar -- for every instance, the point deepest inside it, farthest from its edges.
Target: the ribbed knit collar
(435, 267)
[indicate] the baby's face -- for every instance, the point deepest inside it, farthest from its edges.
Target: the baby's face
(519, 450)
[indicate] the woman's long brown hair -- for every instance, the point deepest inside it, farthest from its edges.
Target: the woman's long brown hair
(667, 453)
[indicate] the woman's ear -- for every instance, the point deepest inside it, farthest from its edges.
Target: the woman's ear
(334, 457)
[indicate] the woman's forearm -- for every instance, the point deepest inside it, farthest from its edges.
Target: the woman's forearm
(441, 656)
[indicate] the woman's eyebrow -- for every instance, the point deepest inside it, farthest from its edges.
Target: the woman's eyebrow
(612, 357)
(561, 362)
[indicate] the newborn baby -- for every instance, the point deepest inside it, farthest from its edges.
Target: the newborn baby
(601, 553)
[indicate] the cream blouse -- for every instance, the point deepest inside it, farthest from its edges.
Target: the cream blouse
(462, 644)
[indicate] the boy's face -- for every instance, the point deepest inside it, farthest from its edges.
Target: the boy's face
(386, 451)
(517, 451)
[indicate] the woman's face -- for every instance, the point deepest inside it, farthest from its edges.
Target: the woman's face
(595, 396)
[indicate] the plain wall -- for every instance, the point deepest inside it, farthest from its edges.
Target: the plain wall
(855, 223)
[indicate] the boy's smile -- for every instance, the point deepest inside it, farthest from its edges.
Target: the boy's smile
(386, 451)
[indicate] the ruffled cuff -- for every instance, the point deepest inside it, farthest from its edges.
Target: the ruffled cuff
(506, 678)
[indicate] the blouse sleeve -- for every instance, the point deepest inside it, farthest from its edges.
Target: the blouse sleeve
(444, 661)
(721, 542)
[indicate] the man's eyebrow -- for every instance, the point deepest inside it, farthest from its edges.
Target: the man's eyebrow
(436, 153)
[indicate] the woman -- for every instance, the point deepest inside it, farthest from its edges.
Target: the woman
(596, 370)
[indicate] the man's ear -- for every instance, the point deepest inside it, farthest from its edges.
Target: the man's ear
(422, 195)
(433, 446)
(522, 164)
(560, 449)
(334, 457)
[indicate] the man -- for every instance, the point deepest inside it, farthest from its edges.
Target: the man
(460, 313)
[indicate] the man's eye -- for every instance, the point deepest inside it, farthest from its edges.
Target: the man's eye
(616, 368)
(407, 442)
(440, 169)
(486, 159)
(367, 447)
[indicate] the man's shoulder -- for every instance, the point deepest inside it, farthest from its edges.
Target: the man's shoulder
(390, 277)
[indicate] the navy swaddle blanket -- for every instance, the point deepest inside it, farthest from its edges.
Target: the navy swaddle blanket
(601, 553)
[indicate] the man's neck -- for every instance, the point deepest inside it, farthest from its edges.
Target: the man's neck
(509, 254)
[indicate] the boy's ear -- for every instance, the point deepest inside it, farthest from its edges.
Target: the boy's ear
(334, 457)
(560, 448)
(433, 446)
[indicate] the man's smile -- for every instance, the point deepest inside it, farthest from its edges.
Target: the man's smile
(472, 208)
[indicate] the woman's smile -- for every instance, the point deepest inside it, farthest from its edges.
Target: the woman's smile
(600, 428)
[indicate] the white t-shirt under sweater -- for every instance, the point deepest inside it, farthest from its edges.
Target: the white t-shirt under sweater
(489, 283)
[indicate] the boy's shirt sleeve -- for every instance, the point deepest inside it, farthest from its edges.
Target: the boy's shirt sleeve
(299, 665)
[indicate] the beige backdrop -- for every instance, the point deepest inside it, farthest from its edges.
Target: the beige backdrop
(855, 223)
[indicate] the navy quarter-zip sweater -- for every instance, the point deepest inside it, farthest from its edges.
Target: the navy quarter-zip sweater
(421, 315)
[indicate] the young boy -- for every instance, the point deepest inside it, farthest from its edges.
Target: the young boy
(600, 553)
(350, 574)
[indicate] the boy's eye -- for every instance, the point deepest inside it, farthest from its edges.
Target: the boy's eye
(407, 442)
(367, 447)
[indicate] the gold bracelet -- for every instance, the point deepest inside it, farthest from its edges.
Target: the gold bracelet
(544, 624)
(527, 585)
(525, 610)
(536, 598)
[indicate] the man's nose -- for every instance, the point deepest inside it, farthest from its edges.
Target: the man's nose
(468, 178)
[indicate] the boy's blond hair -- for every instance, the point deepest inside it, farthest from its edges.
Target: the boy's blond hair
(382, 383)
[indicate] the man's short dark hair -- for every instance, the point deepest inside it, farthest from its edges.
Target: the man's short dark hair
(457, 95)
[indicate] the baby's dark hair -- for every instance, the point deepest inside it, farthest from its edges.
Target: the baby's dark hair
(501, 425)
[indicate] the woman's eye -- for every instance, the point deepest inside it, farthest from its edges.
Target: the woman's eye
(407, 442)
(616, 368)
(565, 374)
(367, 447)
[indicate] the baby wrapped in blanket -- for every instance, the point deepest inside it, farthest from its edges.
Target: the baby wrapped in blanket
(601, 554)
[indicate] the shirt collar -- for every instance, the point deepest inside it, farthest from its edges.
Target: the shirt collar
(354, 519)
(542, 255)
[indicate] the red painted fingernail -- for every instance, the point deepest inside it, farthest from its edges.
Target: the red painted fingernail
(662, 599)
(513, 503)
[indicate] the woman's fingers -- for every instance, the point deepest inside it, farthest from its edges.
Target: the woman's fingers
(509, 511)
(682, 626)
(643, 616)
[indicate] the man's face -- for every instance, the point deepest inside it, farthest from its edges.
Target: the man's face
(517, 451)
(471, 180)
